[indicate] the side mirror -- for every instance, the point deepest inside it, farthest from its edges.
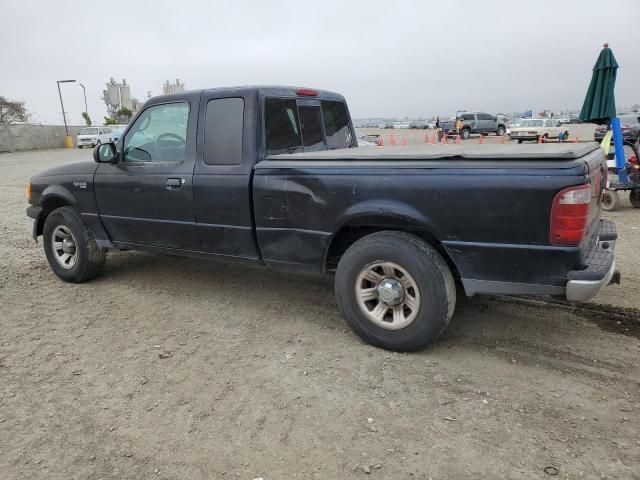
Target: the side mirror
(105, 153)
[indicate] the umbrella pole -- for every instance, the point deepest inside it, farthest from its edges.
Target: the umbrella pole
(619, 146)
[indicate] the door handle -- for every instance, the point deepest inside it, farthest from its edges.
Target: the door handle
(174, 183)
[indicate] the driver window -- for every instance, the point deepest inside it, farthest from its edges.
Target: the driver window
(159, 134)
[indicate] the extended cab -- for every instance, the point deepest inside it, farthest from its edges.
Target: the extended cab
(272, 176)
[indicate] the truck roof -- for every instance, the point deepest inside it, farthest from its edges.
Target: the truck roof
(263, 90)
(548, 151)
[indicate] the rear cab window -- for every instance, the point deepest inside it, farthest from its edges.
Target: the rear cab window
(296, 125)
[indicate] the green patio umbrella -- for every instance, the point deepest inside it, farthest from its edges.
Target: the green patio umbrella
(599, 104)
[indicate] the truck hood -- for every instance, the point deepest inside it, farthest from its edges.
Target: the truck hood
(73, 168)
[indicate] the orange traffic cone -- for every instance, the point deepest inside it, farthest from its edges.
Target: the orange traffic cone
(503, 140)
(426, 137)
(458, 141)
(404, 141)
(433, 139)
(481, 141)
(392, 139)
(540, 139)
(380, 141)
(446, 140)
(577, 139)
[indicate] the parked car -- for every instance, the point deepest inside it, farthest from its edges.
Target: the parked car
(368, 140)
(419, 125)
(92, 136)
(474, 122)
(268, 176)
(534, 128)
(630, 126)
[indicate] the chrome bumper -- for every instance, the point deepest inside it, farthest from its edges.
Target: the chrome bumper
(584, 290)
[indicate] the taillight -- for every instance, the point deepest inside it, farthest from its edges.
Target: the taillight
(570, 215)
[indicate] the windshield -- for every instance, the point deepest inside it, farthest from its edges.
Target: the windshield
(88, 131)
(531, 123)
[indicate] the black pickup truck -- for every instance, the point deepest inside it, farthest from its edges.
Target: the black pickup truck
(274, 176)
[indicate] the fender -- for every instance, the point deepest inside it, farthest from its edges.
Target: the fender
(58, 191)
(383, 212)
(60, 194)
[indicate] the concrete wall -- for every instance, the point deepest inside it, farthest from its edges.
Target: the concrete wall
(32, 137)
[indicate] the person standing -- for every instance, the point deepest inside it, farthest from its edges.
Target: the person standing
(459, 125)
(438, 127)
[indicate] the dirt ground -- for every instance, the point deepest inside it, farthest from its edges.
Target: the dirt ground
(172, 368)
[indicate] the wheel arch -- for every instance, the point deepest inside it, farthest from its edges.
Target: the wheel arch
(357, 227)
(53, 197)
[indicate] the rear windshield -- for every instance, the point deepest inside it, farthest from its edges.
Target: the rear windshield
(295, 127)
(88, 131)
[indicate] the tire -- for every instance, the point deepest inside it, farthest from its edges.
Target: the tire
(500, 131)
(79, 146)
(519, 141)
(65, 227)
(634, 198)
(610, 200)
(425, 308)
(465, 133)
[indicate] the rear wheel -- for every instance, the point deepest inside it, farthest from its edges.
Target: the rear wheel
(610, 200)
(70, 248)
(465, 133)
(395, 291)
(634, 198)
(500, 131)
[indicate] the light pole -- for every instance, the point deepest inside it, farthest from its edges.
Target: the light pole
(85, 98)
(64, 117)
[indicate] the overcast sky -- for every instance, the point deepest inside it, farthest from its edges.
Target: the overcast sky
(389, 58)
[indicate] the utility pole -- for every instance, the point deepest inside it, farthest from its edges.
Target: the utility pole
(68, 141)
(86, 110)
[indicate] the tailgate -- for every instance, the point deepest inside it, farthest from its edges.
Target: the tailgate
(597, 165)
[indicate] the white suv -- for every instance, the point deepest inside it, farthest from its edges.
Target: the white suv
(92, 136)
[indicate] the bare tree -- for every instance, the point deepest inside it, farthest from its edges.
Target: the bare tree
(12, 112)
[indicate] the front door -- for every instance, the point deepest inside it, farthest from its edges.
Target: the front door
(147, 198)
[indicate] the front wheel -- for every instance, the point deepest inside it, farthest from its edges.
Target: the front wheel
(465, 133)
(610, 200)
(395, 291)
(500, 131)
(71, 250)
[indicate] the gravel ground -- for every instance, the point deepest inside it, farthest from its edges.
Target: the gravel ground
(173, 368)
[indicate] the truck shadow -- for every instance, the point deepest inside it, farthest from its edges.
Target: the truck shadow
(282, 296)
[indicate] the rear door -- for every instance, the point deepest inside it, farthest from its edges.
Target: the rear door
(222, 180)
(147, 198)
(486, 123)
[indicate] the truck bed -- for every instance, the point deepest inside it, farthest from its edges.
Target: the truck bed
(555, 151)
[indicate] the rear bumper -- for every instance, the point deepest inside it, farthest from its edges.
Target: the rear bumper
(600, 266)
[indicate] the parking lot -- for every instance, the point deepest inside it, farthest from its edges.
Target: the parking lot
(167, 367)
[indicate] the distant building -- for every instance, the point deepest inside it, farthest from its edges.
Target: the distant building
(117, 96)
(171, 88)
